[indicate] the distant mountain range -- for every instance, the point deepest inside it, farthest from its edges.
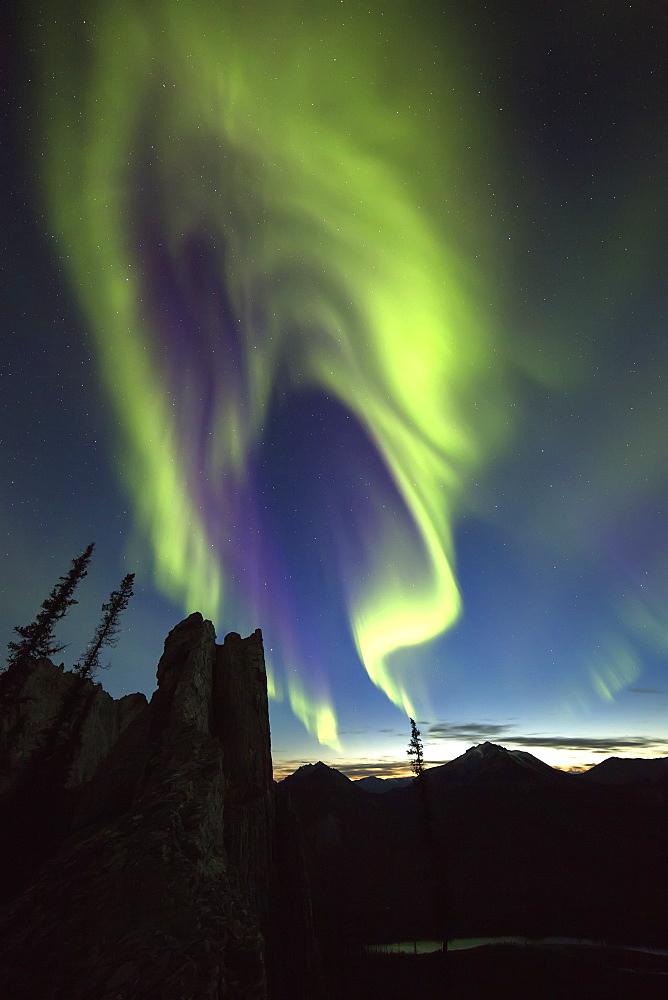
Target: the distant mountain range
(489, 761)
(502, 843)
(380, 785)
(628, 770)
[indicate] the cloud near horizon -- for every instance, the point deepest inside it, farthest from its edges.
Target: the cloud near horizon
(592, 744)
(475, 732)
(469, 732)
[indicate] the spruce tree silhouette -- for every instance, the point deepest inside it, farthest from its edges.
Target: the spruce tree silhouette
(107, 632)
(37, 638)
(415, 750)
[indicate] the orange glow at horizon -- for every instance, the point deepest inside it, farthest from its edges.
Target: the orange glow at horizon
(570, 761)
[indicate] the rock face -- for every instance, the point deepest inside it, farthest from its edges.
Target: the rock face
(46, 693)
(241, 723)
(146, 851)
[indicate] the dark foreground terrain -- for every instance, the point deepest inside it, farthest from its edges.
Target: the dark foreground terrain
(502, 972)
(499, 844)
(146, 854)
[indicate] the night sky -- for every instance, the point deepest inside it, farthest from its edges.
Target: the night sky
(348, 321)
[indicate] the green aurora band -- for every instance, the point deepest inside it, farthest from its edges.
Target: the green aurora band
(328, 144)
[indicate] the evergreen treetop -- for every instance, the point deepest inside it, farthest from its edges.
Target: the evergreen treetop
(107, 632)
(415, 750)
(37, 638)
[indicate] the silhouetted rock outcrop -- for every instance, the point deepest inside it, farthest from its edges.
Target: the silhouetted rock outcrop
(147, 859)
(33, 713)
(241, 723)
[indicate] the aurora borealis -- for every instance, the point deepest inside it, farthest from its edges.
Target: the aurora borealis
(371, 299)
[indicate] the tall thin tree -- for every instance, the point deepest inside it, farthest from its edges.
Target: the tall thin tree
(37, 638)
(108, 631)
(415, 750)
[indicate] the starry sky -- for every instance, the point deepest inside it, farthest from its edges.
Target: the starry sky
(348, 321)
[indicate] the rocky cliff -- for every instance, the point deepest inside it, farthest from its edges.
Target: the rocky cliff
(138, 840)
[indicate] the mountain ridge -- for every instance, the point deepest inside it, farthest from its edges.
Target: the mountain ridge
(483, 760)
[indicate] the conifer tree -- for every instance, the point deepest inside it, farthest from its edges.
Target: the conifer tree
(107, 632)
(415, 750)
(37, 638)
